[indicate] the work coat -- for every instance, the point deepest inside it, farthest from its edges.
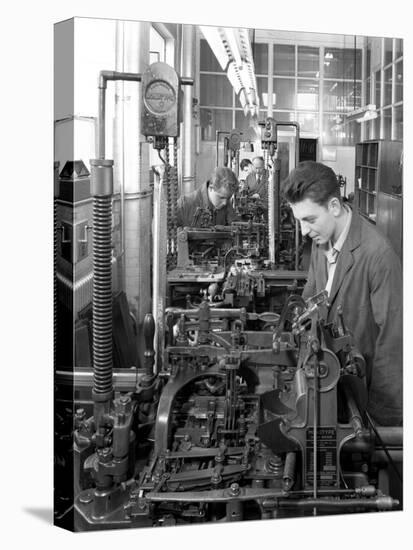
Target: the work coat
(368, 285)
(188, 205)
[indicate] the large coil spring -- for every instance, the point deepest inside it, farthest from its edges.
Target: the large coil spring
(102, 294)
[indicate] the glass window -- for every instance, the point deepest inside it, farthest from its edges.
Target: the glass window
(215, 90)
(342, 63)
(208, 61)
(387, 123)
(157, 46)
(368, 58)
(262, 89)
(307, 94)
(399, 48)
(377, 89)
(399, 82)
(308, 61)
(242, 122)
(282, 116)
(387, 85)
(284, 92)
(341, 96)
(368, 128)
(375, 127)
(368, 91)
(398, 120)
(335, 133)
(260, 55)
(388, 50)
(213, 120)
(284, 60)
(308, 122)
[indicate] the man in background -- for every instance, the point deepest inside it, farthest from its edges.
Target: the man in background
(211, 201)
(257, 180)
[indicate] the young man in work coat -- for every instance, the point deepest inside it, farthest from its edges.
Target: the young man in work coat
(213, 197)
(361, 273)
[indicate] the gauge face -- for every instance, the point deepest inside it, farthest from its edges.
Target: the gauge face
(160, 97)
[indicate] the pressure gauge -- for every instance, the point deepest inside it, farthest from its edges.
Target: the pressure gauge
(160, 97)
(160, 101)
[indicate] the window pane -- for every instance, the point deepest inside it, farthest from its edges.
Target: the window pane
(377, 89)
(242, 122)
(387, 85)
(213, 120)
(284, 91)
(342, 63)
(308, 122)
(375, 131)
(282, 116)
(215, 90)
(308, 61)
(368, 91)
(339, 134)
(399, 82)
(157, 46)
(368, 58)
(284, 60)
(398, 119)
(369, 128)
(208, 61)
(399, 48)
(307, 94)
(260, 55)
(262, 89)
(387, 123)
(388, 50)
(341, 96)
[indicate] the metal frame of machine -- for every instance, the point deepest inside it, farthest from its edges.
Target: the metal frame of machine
(240, 411)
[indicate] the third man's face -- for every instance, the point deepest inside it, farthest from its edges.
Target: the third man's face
(258, 166)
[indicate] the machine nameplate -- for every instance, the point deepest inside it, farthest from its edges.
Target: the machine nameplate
(326, 456)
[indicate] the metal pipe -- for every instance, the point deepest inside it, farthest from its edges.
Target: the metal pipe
(188, 141)
(289, 471)
(122, 379)
(120, 140)
(271, 218)
(159, 267)
(104, 76)
(379, 503)
(297, 160)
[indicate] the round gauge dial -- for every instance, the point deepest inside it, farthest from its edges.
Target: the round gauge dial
(160, 97)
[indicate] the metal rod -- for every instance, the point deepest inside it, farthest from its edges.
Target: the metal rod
(104, 76)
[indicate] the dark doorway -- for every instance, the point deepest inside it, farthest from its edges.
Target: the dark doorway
(308, 149)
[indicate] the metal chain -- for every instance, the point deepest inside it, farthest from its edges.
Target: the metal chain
(168, 207)
(175, 201)
(265, 155)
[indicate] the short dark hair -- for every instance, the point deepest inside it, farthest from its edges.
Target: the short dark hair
(311, 180)
(224, 178)
(244, 163)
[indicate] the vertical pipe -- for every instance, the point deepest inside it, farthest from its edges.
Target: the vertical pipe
(101, 118)
(188, 136)
(159, 267)
(271, 216)
(119, 146)
(137, 197)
